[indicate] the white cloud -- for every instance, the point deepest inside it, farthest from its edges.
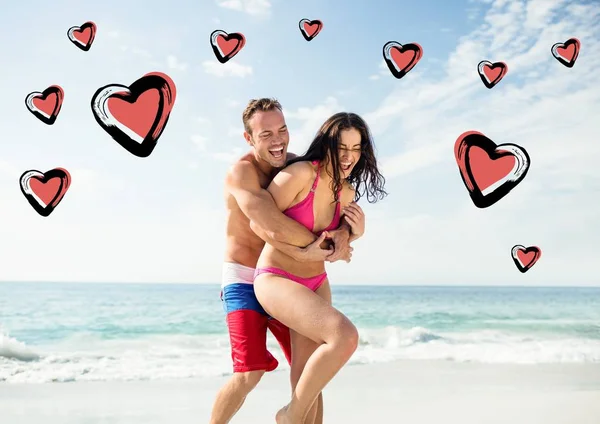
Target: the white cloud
(199, 141)
(203, 120)
(213, 67)
(233, 103)
(229, 157)
(174, 63)
(305, 121)
(235, 131)
(251, 7)
(382, 71)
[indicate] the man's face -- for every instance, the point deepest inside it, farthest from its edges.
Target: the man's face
(269, 137)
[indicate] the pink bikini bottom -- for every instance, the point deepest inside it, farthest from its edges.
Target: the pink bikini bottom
(313, 283)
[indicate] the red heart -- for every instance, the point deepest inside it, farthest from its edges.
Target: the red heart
(567, 52)
(487, 171)
(83, 36)
(46, 105)
(311, 28)
(136, 116)
(226, 46)
(402, 59)
(139, 115)
(46, 191)
(525, 258)
(491, 73)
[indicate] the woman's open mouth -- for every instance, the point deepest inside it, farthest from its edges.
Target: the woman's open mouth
(346, 165)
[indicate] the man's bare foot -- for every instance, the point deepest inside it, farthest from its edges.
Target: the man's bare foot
(283, 416)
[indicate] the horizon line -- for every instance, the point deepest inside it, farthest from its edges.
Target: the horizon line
(596, 285)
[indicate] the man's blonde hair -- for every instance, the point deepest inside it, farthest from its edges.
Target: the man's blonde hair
(256, 105)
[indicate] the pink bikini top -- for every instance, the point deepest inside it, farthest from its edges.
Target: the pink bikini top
(302, 212)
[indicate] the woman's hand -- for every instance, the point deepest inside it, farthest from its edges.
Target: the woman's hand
(356, 219)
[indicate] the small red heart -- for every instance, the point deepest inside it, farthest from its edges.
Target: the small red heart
(225, 46)
(44, 191)
(46, 105)
(567, 52)
(400, 59)
(491, 73)
(310, 29)
(524, 258)
(83, 36)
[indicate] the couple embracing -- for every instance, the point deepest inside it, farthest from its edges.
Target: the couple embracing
(287, 216)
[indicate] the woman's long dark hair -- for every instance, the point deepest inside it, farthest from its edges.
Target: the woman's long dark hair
(365, 170)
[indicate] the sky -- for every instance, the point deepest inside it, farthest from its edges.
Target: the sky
(162, 218)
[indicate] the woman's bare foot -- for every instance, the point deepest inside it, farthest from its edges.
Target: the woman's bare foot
(284, 417)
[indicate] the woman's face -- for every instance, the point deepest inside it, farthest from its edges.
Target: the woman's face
(349, 151)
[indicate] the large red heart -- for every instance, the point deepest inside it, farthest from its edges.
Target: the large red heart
(310, 29)
(136, 116)
(83, 36)
(489, 171)
(491, 73)
(567, 52)
(400, 59)
(44, 191)
(46, 105)
(524, 258)
(225, 46)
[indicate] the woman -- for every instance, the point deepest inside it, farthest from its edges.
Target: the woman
(318, 189)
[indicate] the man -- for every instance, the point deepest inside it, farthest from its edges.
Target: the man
(247, 200)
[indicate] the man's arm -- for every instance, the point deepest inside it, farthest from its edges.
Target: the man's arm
(259, 206)
(311, 253)
(342, 236)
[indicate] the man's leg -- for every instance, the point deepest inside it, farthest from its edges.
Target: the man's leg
(247, 324)
(232, 395)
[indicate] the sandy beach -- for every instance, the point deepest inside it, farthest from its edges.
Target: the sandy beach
(424, 392)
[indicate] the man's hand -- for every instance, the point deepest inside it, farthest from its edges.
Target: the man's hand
(341, 242)
(314, 252)
(356, 219)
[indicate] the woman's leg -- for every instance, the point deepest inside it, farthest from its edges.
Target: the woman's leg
(302, 349)
(309, 314)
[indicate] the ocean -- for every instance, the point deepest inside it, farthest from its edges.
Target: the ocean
(66, 332)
